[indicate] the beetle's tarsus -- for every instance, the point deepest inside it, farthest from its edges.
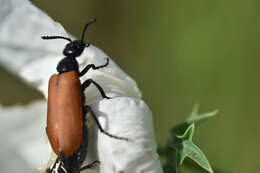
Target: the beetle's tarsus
(89, 66)
(90, 166)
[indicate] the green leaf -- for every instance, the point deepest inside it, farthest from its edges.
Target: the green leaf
(181, 146)
(196, 117)
(184, 147)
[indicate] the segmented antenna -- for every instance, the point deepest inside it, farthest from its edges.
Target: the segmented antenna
(86, 27)
(55, 37)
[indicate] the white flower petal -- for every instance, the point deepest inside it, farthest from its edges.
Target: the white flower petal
(130, 118)
(22, 137)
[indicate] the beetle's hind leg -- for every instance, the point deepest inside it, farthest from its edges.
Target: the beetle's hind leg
(90, 166)
(86, 83)
(87, 109)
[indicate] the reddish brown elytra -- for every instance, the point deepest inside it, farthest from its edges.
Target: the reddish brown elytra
(64, 116)
(66, 112)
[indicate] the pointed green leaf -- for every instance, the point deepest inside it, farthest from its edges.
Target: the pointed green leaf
(196, 117)
(186, 148)
(193, 152)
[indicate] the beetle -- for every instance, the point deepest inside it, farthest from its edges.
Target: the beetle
(66, 112)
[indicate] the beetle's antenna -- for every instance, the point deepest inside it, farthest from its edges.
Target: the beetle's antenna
(55, 37)
(86, 27)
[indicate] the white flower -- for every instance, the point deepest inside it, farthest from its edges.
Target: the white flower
(24, 54)
(23, 140)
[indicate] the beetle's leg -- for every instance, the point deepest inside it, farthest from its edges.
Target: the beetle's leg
(90, 166)
(87, 109)
(86, 83)
(86, 69)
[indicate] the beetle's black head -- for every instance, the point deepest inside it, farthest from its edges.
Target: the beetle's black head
(74, 48)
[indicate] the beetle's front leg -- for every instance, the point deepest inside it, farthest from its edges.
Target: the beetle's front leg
(86, 83)
(87, 109)
(86, 69)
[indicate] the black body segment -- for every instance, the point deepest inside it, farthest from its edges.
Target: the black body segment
(67, 64)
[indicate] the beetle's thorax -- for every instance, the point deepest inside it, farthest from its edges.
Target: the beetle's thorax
(67, 64)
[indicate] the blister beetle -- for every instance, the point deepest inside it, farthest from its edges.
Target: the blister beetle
(66, 111)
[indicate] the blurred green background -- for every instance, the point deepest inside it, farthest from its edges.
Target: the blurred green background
(180, 53)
